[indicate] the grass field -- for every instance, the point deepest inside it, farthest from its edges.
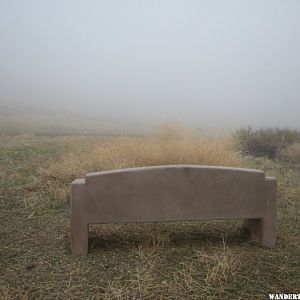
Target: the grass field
(184, 260)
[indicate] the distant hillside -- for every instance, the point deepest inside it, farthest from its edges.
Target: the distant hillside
(21, 119)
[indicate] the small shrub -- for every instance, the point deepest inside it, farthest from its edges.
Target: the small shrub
(291, 153)
(268, 142)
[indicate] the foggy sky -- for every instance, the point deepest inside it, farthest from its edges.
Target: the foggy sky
(199, 62)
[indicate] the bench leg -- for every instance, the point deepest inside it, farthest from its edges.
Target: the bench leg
(268, 230)
(79, 225)
(79, 232)
(265, 227)
(253, 226)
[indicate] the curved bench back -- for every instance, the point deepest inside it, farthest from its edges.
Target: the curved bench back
(168, 193)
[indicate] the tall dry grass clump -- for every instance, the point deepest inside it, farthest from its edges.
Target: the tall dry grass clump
(170, 146)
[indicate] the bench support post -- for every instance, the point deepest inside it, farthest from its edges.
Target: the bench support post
(268, 234)
(79, 239)
(265, 227)
(79, 227)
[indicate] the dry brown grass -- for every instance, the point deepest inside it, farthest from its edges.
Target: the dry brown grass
(187, 279)
(182, 260)
(206, 270)
(170, 146)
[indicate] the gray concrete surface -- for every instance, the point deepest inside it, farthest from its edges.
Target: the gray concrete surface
(173, 193)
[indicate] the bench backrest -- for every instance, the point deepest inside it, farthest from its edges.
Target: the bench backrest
(173, 193)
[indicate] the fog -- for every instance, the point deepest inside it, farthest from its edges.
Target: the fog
(201, 63)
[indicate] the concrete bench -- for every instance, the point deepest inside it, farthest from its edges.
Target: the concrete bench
(173, 193)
